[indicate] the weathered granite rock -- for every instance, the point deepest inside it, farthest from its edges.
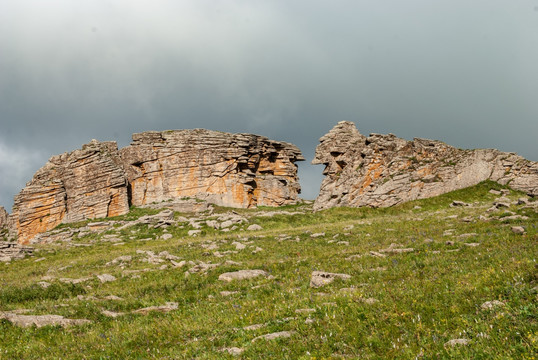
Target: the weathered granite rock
(384, 170)
(238, 170)
(84, 184)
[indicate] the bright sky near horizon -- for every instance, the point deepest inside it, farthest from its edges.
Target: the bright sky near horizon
(464, 72)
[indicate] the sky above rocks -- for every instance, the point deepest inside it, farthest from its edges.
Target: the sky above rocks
(464, 72)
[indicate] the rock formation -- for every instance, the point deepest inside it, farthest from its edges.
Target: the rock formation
(3, 218)
(384, 170)
(84, 184)
(237, 170)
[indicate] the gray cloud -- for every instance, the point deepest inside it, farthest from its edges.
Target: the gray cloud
(458, 71)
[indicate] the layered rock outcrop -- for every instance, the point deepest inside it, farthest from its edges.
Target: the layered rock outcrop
(237, 170)
(3, 218)
(84, 184)
(384, 170)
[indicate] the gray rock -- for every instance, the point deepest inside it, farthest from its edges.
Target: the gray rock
(490, 305)
(272, 336)
(166, 236)
(169, 306)
(455, 342)
(520, 230)
(41, 320)
(242, 275)
(120, 260)
(322, 278)
(106, 278)
(235, 351)
(254, 227)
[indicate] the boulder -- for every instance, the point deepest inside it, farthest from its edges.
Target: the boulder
(237, 170)
(85, 184)
(384, 170)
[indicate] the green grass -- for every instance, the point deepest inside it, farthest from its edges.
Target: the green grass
(424, 298)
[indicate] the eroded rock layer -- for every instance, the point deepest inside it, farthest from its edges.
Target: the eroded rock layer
(237, 170)
(384, 170)
(3, 218)
(84, 184)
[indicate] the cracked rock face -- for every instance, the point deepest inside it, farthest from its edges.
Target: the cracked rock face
(384, 170)
(237, 170)
(85, 184)
(97, 181)
(3, 217)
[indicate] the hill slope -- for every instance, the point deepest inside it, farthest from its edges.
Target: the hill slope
(420, 279)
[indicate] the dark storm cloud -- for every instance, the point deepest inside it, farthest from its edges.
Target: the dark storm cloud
(458, 71)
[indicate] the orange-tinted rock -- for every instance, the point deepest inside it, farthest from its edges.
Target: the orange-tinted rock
(384, 170)
(84, 184)
(237, 170)
(97, 181)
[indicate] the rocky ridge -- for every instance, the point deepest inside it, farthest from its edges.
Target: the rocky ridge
(97, 181)
(237, 170)
(384, 170)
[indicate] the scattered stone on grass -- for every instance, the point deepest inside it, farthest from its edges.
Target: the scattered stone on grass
(455, 342)
(228, 293)
(395, 249)
(316, 235)
(459, 203)
(519, 230)
(242, 275)
(74, 281)
(376, 254)
(41, 320)
(112, 314)
(321, 278)
(166, 236)
(471, 244)
(169, 306)
(254, 227)
(254, 327)
(490, 305)
(103, 278)
(238, 245)
(304, 311)
(235, 351)
(120, 260)
(272, 336)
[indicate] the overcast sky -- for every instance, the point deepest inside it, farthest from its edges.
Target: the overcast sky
(461, 71)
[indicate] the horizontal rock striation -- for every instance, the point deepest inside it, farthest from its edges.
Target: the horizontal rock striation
(237, 170)
(84, 184)
(384, 170)
(3, 218)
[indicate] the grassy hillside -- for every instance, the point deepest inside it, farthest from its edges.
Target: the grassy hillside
(397, 303)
